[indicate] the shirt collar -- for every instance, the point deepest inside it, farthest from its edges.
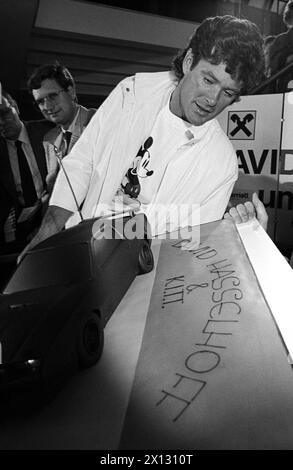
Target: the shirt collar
(73, 123)
(189, 130)
(23, 135)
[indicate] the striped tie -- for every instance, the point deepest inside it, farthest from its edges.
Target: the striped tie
(67, 137)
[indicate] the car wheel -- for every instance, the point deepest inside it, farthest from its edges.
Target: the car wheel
(145, 258)
(90, 340)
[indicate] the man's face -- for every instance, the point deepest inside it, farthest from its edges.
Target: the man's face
(10, 125)
(56, 104)
(203, 92)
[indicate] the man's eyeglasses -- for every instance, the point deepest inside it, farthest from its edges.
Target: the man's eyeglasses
(51, 98)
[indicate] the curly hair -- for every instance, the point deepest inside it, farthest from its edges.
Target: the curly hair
(226, 39)
(55, 71)
(288, 14)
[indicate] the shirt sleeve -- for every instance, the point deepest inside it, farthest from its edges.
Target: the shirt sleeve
(84, 157)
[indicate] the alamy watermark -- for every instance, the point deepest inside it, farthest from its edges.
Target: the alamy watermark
(162, 221)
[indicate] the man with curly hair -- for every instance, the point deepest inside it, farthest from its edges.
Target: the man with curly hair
(155, 139)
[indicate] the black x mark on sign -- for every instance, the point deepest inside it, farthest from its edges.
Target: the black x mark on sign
(241, 124)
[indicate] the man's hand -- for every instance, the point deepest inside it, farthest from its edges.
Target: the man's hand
(247, 211)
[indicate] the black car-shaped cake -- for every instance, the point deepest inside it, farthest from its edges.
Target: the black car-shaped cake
(54, 308)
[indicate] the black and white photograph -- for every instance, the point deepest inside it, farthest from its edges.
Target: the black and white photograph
(146, 228)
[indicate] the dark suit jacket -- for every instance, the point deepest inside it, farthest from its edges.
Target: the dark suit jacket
(8, 196)
(281, 49)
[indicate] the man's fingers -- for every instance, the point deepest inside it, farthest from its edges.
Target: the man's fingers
(249, 209)
(235, 214)
(241, 213)
(260, 208)
(261, 212)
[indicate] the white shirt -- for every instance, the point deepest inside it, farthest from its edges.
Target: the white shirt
(171, 138)
(96, 165)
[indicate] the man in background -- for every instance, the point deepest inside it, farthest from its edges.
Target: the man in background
(280, 50)
(23, 173)
(53, 89)
(23, 167)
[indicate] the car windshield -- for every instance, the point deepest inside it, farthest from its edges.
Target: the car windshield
(68, 264)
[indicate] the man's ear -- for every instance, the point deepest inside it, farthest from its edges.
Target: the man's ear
(187, 61)
(71, 92)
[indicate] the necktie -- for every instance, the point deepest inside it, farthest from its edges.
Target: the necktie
(67, 136)
(27, 184)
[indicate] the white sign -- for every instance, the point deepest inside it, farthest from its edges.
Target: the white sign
(260, 129)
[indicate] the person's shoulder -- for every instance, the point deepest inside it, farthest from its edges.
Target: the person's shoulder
(282, 36)
(280, 41)
(148, 78)
(153, 84)
(220, 140)
(41, 126)
(290, 37)
(142, 85)
(155, 78)
(125, 83)
(91, 112)
(117, 93)
(52, 134)
(86, 113)
(219, 133)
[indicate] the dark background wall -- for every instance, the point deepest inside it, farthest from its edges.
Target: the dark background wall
(265, 15)
(98, 63)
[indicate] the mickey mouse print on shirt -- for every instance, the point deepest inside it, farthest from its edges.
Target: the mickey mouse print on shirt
(140, 169)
